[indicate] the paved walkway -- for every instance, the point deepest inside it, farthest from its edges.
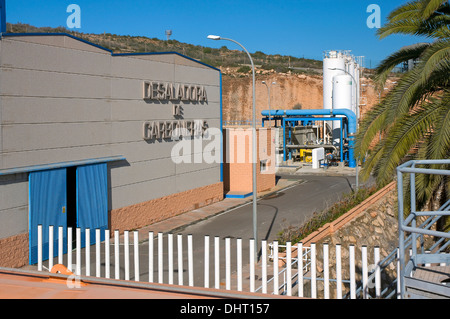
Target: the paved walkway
(170, 225)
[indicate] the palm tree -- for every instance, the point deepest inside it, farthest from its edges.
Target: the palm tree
(414, 117)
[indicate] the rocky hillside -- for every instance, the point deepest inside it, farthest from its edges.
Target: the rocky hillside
(299, 80)
(290, 91)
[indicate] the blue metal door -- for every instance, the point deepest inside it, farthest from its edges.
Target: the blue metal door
(47, 207)
(92, 199)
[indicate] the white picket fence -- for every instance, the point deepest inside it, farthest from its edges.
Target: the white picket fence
(163, 261)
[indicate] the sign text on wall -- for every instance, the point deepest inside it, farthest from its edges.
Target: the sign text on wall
(173, 129)
(171, 92)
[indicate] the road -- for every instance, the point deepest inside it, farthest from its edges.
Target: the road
(291, 206)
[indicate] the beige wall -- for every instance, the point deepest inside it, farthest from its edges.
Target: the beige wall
(238, 160)
(65, 100)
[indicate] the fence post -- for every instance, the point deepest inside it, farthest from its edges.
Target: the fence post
(69, 248)
(216, 263)
(160, 258)
(289, 268)
(50, 247)
(39, 248)
(365, 279)
(116, 255)
(78, 239)
(264, 266)
(190, 261)
(338, 272)
(252, 265)
(107, 255)
(313, 271)
(239, 263)
(97, 253)
(126, 254)
(206, 272)
(275, 268)
(352, 272)
(60, 245)
(136, 255)
(300, 268)
(326, 272)
(150, 256)
(170, 257)
(87, 247)
(227, 264)
(180, 259)
(377, 272)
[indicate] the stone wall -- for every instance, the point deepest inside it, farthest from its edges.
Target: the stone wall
(376, 225)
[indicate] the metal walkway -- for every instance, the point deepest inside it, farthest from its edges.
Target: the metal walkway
(424, 271)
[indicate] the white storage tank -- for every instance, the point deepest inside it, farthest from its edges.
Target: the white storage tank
(342, 99)
(332, 60)
(342, 91)
(351, 70)
(357, 88)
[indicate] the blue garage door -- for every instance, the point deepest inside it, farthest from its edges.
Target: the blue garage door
(92, 199)
(47, 207)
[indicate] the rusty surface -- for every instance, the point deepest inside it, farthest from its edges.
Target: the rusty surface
(16, 284)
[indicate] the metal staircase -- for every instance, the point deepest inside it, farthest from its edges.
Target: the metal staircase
(424, 272)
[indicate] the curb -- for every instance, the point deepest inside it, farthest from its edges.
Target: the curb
(233, 207)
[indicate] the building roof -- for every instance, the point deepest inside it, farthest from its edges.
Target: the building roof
(140, 54)
(21, 284)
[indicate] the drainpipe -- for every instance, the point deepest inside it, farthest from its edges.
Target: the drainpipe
(349, 114)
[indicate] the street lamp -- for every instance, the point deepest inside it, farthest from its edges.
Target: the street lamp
(357, 114)
(268, 88)
(254, 148)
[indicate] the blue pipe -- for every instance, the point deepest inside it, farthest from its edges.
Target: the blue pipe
(350, 115)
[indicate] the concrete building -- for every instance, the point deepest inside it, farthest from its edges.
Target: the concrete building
(87, 138)
(237, 167)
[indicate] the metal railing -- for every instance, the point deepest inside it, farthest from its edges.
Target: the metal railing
(241, 123)
(181, 260)
(417, 230)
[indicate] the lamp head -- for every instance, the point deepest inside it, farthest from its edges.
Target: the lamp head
(213, 37)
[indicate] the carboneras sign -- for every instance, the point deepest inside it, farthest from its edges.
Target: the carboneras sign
(169, 91)
(174, 129)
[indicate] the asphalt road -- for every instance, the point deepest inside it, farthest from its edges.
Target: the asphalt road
(289, 207)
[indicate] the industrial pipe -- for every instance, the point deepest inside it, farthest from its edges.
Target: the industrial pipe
(349, 114)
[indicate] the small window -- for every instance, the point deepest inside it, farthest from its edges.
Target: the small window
(263, 166)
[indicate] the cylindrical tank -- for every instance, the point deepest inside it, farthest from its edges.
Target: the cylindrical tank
(357, 88)
(351, 69)
(342, 91)
(332, 60)
(342, 99)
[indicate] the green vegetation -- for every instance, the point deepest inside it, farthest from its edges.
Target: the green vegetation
(222, 57)
(349, 201)
(244, 69)
(413, 120)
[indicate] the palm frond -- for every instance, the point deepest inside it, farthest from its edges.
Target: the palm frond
(406, 133)
(387, 65)
(429, 7)
(410, 9)
(439, 145)
(372, 124)
(409, 19)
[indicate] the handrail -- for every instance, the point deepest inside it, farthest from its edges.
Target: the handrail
(409, 224)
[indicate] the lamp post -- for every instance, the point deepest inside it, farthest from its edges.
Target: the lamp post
(268, 88)
(357, 115)
(254, 148)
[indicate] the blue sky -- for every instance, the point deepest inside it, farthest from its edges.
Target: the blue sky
(301, 28)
